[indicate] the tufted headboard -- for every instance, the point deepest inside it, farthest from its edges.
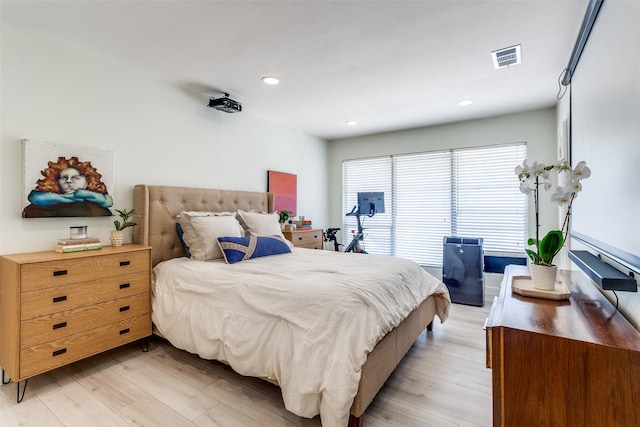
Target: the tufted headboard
(158, 207)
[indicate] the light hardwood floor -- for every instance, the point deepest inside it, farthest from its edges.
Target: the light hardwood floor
(441, 382)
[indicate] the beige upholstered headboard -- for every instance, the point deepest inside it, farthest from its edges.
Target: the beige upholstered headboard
(158, 207)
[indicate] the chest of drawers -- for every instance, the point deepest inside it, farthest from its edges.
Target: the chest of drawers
(562, 363)
(311, 239)
(58, 308)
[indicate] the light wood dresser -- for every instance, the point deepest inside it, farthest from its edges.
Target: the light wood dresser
(311, 239)
(562, 363)
(58, 308)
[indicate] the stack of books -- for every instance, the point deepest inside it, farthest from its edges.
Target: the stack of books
(76, 245)
(305, 224)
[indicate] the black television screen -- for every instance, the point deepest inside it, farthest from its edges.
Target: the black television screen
(370, 203)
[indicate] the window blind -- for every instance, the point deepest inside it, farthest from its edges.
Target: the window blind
(422, 198)
(368, 175)
(486, 198)
(428, 196)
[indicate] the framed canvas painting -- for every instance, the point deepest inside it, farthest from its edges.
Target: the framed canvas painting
(284, 186)
(66, 181)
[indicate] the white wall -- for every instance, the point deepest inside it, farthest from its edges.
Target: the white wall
(161, 134)
(628, 302)
(537, 128)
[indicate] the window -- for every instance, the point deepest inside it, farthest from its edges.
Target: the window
(428, 196)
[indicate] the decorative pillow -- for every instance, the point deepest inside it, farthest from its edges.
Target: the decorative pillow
(260, 224)
(201, 232)
(180, 232)
(237, 249)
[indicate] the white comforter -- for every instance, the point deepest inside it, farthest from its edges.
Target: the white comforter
(307, 319)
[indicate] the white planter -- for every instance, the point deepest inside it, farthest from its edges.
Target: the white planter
(116, 237)
(543, 277)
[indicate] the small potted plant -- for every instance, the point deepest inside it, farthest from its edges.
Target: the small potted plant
(284, 216)
(117, 236)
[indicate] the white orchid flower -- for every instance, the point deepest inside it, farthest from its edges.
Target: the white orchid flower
(581, 171)
(548, 185)
(523, 170)
(545, 173)
(563, 166)
(537, 168)
(561, 196)
(574, 186)
(525, 187)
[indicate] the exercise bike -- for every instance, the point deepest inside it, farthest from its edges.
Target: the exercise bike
(357, 242)
(369, 204)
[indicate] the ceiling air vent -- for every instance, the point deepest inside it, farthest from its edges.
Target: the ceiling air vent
(506, 57)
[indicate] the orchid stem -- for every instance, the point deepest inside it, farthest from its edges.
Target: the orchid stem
(535, 202)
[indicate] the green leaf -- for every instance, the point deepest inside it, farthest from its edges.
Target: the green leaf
(535, 258)
(124, 215)
(549, 246)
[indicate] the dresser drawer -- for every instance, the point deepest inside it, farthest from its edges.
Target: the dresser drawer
(50, 355)
(305, 238)
(49, 274)
(313, 245)
(66, 297)
(59, 325)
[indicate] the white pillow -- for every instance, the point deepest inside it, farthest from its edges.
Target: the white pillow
(261, 224)
(202, 229)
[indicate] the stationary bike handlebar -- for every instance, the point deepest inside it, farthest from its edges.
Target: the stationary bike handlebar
(354, 212)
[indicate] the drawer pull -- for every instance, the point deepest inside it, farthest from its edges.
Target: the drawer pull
(299, 238)
(125, 285)
(124, 263)
(60, 273)
(124, 331)
(60, 325)
(125, 308)
(59, 352)
(60, 299)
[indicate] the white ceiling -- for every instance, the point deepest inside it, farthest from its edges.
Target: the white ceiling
(387, 64)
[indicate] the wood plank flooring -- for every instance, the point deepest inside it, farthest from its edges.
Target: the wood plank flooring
(442, 382)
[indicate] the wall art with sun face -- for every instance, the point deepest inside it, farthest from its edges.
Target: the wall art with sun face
(66, 181)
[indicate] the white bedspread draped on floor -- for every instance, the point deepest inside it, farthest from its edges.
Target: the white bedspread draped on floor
(306, 319)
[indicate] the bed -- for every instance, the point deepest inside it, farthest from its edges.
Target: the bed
(367, 351)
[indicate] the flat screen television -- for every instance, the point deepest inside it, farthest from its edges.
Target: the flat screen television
(370, 203)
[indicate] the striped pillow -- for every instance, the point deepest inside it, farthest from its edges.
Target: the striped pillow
(236, 249)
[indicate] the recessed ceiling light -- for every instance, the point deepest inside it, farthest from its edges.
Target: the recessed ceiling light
(351, 123)
(270, 80)
(465, 102)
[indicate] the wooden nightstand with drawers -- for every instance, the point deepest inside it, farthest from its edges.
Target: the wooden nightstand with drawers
(311, 239)
(58, 308)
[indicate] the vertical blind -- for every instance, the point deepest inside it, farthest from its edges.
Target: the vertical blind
(466, 193)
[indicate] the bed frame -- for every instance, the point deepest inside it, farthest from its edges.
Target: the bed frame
(158, 208)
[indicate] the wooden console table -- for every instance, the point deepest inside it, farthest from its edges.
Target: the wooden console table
(562, 363)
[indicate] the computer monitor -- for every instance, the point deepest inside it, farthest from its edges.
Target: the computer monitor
(370, 203)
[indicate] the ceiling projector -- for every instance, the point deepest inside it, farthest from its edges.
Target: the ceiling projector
(225, 104)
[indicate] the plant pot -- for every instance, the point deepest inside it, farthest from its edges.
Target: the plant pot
(543, 277)
(116, 237)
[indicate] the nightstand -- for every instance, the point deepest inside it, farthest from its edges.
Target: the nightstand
(311, 239)
(58, 308)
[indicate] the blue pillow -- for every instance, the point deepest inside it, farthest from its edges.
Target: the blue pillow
(237, 249)
(180, 234)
